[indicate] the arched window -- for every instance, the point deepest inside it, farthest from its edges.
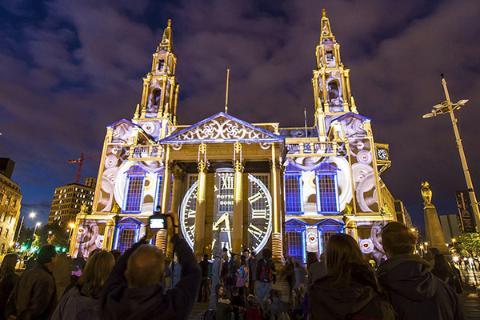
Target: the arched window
(156, 95)
(295, 240)
(327, 190)
(134, 189)
(293, 193)
(161, 64)
(158, 193)
(126, 234)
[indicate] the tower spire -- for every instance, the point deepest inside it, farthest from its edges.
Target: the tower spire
(167, 39)
(325, 29)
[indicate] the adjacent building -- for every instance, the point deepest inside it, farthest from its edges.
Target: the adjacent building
(450, 226)
(10, 204)
(233, 184)
(68, 200)
(465, 212)
(90, 182)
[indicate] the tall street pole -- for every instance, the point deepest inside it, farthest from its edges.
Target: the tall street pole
(463, 158)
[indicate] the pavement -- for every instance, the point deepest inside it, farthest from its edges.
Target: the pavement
(471, 305)
(469, 299)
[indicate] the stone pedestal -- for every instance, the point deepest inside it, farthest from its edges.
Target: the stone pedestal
(433, 229)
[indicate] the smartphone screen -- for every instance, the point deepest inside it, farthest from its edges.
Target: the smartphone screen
(157, 223)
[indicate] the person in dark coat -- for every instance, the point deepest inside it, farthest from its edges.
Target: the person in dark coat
(349, 290)
(444, 271)
(134, 290)
(8, 280)
(204, 286)
(81, 301)
(34, 295)
(414, 291)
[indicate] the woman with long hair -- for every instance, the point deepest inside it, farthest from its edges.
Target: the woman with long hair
(8, 280)
(81, 302)
(349, 290)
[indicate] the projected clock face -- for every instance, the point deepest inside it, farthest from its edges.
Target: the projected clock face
(382, 154)
(259, 221)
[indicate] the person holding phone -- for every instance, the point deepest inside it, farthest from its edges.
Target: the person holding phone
(134, 289)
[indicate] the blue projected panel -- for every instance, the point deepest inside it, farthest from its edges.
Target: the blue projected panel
(293, 193)
(296, 245)
(133, 199)
(158, 194)
(327, 193)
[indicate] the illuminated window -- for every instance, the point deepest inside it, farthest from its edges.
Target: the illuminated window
(134, 189)
(158, 201)
(293, 193)
(327, 194)
(126, 240)
(295, 245)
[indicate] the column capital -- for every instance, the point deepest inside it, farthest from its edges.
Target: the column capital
(202, 166)
(238, 166)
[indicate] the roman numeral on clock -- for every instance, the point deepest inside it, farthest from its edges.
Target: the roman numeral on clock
(190, 213)
(257, 196)
(259, 213)
(227, 181)
(255, 231)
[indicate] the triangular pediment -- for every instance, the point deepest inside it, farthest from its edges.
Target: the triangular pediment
(221, 128)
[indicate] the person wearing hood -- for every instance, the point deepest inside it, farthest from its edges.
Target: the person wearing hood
(414, 291)
(134, 290)
(349, 289)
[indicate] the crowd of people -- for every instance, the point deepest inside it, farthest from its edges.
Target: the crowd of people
(143, 284)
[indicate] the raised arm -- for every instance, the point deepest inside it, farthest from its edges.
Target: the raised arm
(186, 290)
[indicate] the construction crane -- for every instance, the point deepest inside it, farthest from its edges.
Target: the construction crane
(79, 162)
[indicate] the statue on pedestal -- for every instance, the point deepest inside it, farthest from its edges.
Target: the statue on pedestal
(433, 228)
(426, 193)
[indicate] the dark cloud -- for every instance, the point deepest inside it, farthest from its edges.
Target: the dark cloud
(68, 69)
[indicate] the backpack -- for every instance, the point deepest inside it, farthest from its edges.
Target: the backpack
(266, 271)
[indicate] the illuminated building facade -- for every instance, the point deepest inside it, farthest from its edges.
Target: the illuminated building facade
(67, 202)
(10, 204)
(230, 183)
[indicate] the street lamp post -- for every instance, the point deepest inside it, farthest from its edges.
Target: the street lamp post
(38, 224)
(31, 215)
(448, 107)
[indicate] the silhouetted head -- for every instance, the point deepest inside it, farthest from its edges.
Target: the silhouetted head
(8, 264)
(96, 272)
(311, 258)
(145, 267)
(342, 253)
(47, 256)
(397, 239)
(267, 253)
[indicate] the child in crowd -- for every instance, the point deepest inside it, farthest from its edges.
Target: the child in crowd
(253, 312)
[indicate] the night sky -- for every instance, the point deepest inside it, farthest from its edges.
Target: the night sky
(70, 68)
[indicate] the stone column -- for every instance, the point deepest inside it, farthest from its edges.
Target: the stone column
(178, 176)
(277, 242)
(433, 229)
(237, 233)
(73, 238)
(199, 244)
(108, 235)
